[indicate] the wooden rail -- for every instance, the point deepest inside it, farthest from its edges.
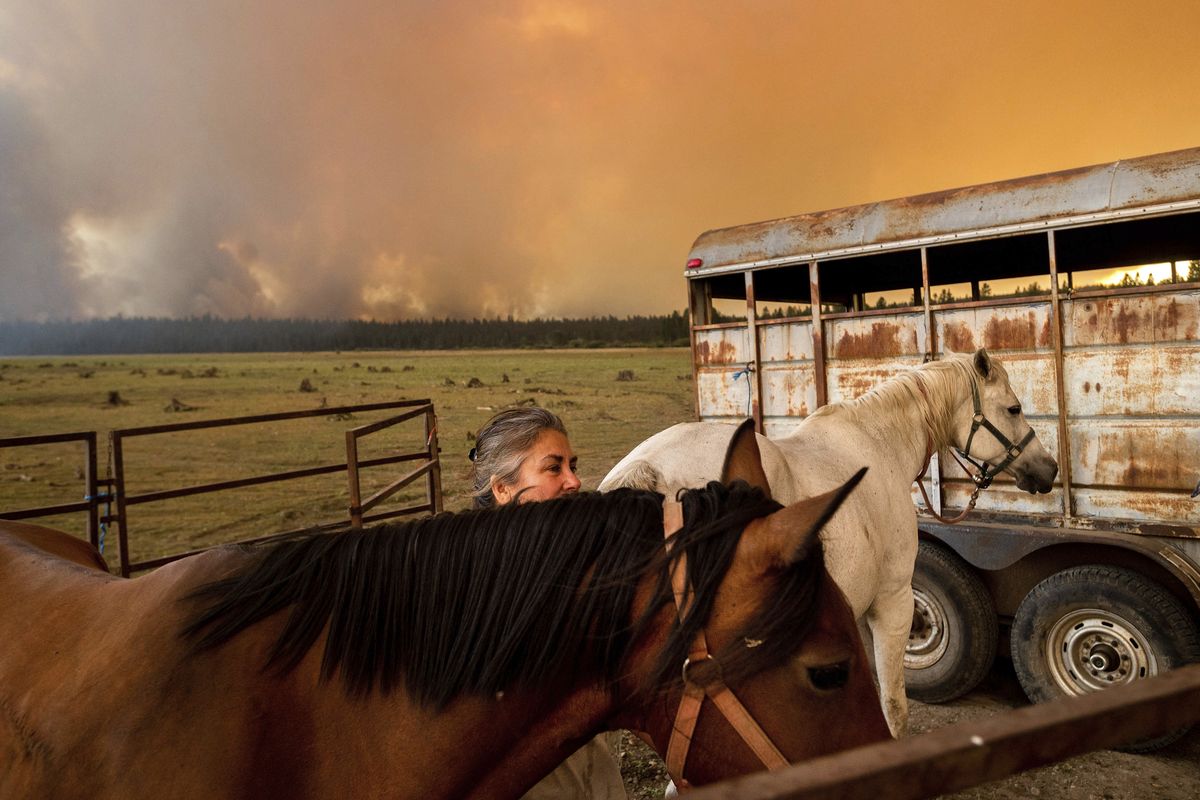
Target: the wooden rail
(977, 751)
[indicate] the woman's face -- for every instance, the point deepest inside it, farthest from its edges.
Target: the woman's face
(548, 471)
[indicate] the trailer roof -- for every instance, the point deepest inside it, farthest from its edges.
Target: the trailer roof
(1159, 182)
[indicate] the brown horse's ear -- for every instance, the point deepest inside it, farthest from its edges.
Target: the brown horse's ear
(743, 461)
(790, 532)
(983, 363)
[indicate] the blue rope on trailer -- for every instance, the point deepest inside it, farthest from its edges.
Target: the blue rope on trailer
(749, 389)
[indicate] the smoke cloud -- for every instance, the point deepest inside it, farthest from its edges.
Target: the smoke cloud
(526, 157)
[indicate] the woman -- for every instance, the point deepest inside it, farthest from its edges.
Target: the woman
(523, 455)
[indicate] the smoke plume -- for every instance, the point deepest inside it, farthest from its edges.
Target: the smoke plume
(526, 157)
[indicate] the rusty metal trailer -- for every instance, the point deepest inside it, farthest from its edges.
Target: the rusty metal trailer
(1097, 582)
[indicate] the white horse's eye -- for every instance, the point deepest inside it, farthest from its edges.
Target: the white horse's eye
(1014, 410)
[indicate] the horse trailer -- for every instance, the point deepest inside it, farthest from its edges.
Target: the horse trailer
(1087, 284)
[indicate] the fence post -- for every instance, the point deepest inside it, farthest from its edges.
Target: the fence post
(119, 486)
(433, 482)
(352, 477)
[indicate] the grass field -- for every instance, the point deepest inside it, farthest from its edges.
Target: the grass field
(606, 417)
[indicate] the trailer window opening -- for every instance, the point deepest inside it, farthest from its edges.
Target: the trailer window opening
(861, 283)
(1139, 252)
(718, 299)
(728, 310)
(897, 298)
(989, 269)
(955, 293)
(782, 292)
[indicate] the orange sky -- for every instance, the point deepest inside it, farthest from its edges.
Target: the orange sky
(407, 159)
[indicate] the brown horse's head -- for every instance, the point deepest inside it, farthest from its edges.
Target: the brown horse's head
(528, 629)
(782, 639)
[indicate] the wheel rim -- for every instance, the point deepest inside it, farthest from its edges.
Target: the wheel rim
(927, 639)
(1089, 650)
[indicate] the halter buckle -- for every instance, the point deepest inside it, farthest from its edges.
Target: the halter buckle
(690, 662)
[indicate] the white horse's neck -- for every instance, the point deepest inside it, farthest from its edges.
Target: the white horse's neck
(911, 415)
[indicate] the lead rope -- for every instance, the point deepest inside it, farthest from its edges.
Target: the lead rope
(925, 468)
(925, 496)
(987, 472)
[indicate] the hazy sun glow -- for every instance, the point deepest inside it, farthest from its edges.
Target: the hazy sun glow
(1143, 273)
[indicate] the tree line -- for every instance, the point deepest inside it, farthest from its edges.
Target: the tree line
(210, 334)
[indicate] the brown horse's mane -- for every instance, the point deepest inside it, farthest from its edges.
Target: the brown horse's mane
(491, 600)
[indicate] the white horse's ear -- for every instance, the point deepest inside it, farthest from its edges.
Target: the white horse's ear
(743, 461)
(790, 532)
(983, 363)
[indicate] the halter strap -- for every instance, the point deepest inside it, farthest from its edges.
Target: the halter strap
(987, 472)
(713, 687)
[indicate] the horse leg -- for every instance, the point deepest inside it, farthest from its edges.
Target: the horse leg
(890, 620)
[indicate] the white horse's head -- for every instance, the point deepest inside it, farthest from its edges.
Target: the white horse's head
(991, 428)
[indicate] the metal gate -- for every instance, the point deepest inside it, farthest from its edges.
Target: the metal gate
(110, 493)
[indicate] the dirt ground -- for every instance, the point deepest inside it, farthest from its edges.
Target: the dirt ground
(1172, 773)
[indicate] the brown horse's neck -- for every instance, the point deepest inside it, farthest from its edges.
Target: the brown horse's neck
(557, 732)
(477, 747)
(569, 721)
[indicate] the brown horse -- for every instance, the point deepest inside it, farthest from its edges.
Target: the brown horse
(455, 656)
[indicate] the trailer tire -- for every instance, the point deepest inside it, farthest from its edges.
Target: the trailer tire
(953, 640)
(1090, 627)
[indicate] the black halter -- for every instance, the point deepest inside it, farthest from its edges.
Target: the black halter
(987, 471)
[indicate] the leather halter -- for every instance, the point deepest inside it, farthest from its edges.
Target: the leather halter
(699, 666)
(987, 471)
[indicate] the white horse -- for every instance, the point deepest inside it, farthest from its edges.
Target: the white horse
(870, 547)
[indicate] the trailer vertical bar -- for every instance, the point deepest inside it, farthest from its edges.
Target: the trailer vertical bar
(698, 304)
(755, 376)
(934, 469)
(930, 335)
(818, 335)
(1064, 433)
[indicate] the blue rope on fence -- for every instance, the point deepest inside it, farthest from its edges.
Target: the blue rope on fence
(103, 532)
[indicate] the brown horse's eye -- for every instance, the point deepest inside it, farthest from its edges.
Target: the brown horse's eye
(1014, 410)
(828, 678)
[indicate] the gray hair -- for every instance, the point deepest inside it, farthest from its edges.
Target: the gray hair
(502, 445)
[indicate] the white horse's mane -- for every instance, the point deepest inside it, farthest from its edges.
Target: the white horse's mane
(944, 382)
